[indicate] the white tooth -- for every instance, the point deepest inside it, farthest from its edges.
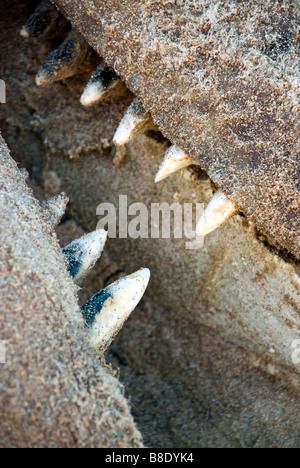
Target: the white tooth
(175, 160)
(24, 32)
(219, 210)
(55, 208)
(65, 61)
(92, 94)
(83, 253)
(135, 121)
(103, 80)
(106, 312)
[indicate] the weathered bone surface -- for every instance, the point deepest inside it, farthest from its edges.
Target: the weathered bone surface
(220, 81)
(54, 209)
(193, 388)
(53, 392)
(82, 254)
(233, 285)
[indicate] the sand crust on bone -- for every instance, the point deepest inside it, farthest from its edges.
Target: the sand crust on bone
(221, 81)
(207, 294)
(54, 393)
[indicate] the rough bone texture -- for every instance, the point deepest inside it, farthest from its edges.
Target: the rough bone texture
(208, 366)
(220, 80)
(53, 392)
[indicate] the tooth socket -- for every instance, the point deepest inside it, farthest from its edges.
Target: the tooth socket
(104, 75)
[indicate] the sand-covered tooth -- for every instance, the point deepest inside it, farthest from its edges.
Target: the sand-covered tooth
(105, 313)
(54, 209)
(103, 81)
(175, 159)
(65, 61)
(83, 253)
(135, 122)
(219, 210)
(45, 20)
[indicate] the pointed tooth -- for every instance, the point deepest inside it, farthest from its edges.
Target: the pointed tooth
(54, 209)
(175, 160)
(106, 312)
(219, 210)
(24, 32)
(83, 253)
(103, 80)
(45, 19)
(65, 61)
(135, 121)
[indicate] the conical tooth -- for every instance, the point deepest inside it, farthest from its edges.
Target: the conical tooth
(65, 61)
(83, 253)
(219, 210)
(55, 208)
(101, 83)
(175, 160)
(43, 21)
(105, 313)
(24, 32)
(135, 121)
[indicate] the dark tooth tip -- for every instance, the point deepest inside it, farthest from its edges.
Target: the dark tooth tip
(43, 21)
(65, 61)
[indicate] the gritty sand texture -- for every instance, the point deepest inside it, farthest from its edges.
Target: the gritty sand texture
(234, 285)
(186, 385)
(221, 81)
(54, 393)
(206, 359)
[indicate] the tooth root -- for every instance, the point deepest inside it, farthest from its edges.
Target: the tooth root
(135, 122)
(105, 313)
(65, 61)
(43, 21)
(175, 160)
(101, 83)
(54, 209)
(83, 253)
(219, 210)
